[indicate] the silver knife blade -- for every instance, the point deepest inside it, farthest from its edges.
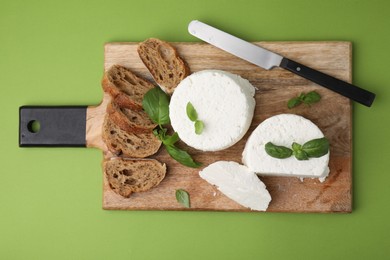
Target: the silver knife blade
(240, 48)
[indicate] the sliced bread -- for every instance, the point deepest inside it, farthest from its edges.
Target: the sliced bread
(125, 87)
(122, 143)
(164, 63)
(127, 176)
(130, 120)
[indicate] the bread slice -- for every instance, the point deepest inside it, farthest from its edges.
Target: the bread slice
(127, 176)
(125, 87)
(164, 63)
(122, 143)
(130, 120)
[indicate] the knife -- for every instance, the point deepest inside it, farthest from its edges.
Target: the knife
(268, 60)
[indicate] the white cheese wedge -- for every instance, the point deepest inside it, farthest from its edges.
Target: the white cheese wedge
(238, 183)
(283, 130)
(224, 103)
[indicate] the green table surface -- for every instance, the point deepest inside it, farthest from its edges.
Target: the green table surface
(51, 53)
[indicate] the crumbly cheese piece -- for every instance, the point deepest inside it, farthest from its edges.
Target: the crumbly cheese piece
(224, 103)
(283, 130)
(238, 183)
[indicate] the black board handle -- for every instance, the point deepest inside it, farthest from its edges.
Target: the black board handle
(52, 126)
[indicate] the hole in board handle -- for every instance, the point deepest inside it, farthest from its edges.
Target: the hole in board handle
(33, 126)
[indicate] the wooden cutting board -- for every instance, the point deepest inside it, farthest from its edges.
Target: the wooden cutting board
(273, 89)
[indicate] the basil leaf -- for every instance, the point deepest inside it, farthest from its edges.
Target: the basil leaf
(198, 127)
(171, 140)
(316, 147)
(276, 151)
(298, 153)
(156, 105)
(169, 143)
(294, 102)
(301, 155)
(183, 197)
(193, 116)
(181, 156)
(296, 147)
(311, 97)
(191, 112)
(313, 148)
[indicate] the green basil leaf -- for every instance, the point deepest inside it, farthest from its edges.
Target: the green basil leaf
(294, 102)
(276, 151)
(198, 127)
(171, 139)
(301, 155)
(181, 156)
(156, 105)
(169, 143)
(311, 98)
(183, 197)
(316, 147)
(296, 147)
(191, 112)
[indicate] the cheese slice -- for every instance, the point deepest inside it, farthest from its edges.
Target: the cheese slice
(238, 183)
(284, 129)
(224, 103)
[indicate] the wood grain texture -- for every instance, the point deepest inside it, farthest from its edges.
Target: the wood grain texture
(273, 89)
(94, 124)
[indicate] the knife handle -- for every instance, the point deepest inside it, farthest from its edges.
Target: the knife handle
(355, 93)
(52, 126)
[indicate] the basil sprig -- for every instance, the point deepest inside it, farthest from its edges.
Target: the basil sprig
(308, 99)
(156, 105)
(183, 197)
(180, 155)
(312, 149)
(193, 116)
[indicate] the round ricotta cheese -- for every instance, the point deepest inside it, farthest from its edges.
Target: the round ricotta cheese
(224, 103)
(283, 130)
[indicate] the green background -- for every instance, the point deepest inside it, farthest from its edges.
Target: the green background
(51, 53)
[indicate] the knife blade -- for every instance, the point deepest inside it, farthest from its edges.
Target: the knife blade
(268, 60)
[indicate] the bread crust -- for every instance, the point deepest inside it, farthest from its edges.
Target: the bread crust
(126, 176)
(127, 129)
(164, 63)
(131, 121)
(122, 143)
(125, 86)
